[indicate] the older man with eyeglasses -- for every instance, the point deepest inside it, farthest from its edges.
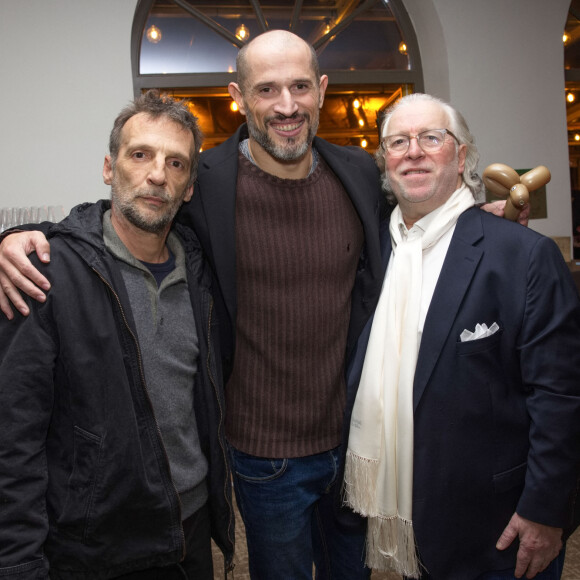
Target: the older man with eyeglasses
(464, 443)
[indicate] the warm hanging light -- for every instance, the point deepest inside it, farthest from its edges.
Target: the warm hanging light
(364, 143)
(565, 38)
(402, 47)
(361, 122)
(154, 35)
(356, 104)
(576, 137)
(570, 97)
(242, 32)
(234, 106)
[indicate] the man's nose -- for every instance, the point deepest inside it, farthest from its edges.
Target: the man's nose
(157, 175)
(414, 150)
(286, 104)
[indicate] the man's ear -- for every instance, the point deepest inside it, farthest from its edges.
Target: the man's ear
(236, 94)
(188, 193)
(108, 170)
(461, 153)
(322, 90)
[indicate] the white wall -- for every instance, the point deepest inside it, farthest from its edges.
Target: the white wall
(65, 72)
(501, 64)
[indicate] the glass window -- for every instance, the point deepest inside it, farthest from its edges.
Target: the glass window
(571, 39)
(201, 39)
(188, 48)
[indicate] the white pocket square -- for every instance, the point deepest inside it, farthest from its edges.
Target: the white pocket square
(481, 331)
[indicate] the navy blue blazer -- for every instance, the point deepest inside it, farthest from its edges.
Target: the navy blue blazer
(496, 420)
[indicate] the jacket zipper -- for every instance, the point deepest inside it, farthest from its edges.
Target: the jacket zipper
(229, 567)
(144, 385)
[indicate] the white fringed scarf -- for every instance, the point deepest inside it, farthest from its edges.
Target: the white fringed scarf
(379, 461)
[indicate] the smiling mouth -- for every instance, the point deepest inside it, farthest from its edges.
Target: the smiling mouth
(287, 127)
(415, 172)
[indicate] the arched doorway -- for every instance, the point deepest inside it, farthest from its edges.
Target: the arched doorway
(367, 48)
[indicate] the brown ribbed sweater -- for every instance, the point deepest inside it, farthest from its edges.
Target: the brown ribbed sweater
(298, 244)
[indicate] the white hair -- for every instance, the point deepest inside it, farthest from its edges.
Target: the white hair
(457, 125)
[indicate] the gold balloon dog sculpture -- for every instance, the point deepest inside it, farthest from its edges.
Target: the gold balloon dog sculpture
(504, 182)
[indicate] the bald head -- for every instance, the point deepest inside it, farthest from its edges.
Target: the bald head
(272, 43)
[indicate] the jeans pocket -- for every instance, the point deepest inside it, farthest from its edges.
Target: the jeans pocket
(257, 469)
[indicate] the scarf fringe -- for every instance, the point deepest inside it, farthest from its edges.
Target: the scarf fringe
(360, 484)
(390, 540)
(391, 546)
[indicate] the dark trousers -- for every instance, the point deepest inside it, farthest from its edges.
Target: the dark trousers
(197, 564)
(552, 572)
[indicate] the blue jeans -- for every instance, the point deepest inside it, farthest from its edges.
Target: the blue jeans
(287, 506)
(552, 572)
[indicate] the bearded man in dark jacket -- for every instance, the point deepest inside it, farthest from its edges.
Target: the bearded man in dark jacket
(112, 456)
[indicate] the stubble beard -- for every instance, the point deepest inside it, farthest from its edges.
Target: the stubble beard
(291, 150)
(124, 200)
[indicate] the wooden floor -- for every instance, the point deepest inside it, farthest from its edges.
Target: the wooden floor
(571, 563)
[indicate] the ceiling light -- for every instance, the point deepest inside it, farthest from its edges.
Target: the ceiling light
(242, 32)
(154, 34)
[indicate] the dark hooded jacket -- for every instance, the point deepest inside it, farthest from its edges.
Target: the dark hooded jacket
(85, 484)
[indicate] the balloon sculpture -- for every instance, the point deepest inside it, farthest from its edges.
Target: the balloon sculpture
(504, 181)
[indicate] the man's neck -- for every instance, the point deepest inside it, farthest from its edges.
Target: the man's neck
(410, 217)
(414, 211)
(144, 246)
(298, 169)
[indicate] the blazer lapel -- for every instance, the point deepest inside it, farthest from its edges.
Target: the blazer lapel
(361, 181)
(218, 176)
(349, 173)
(458, 270)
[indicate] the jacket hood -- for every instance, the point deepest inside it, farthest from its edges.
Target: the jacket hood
(82, 230)
(84, 223)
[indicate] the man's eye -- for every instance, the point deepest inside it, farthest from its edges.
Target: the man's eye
(177, 164)
(139, 154)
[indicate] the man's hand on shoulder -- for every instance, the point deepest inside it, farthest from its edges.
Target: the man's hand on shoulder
(539, 545)
(18, 273)
(498, 208)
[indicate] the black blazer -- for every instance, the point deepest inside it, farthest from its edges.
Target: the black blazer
(211, 213)
(496, 420)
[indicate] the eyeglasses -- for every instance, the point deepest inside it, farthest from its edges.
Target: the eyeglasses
(429, 141)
